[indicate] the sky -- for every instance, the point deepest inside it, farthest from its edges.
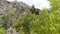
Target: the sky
(37, 3)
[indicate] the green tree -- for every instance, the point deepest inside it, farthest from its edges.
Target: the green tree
(34, 10)
(46, 23)
(24, 23)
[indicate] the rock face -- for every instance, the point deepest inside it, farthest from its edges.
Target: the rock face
(12, 31)
(13, 8)
(9, 7)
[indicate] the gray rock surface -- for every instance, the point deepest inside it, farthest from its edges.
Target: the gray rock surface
(7, 8)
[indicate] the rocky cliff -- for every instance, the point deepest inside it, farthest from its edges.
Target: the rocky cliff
(15, 10)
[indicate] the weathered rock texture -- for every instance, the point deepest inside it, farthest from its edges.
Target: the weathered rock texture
(14, 9)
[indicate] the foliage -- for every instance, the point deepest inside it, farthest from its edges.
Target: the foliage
(4, 22)
(55, 4)
(2, 31)
(24, 24)
(14, 14)
(46, 23)
(34, 10)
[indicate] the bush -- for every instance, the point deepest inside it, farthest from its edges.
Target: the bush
(2, 31)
